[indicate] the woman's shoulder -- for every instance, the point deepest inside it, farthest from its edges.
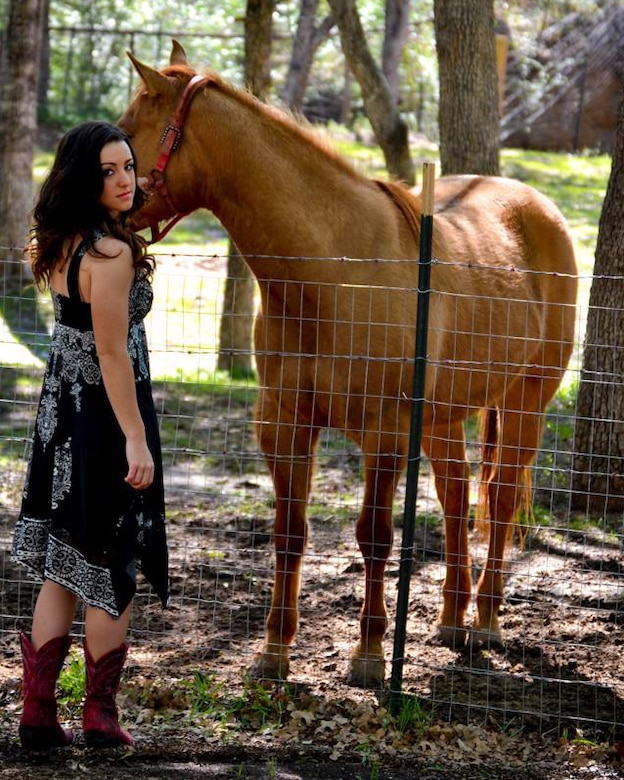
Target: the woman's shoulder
(108, 247)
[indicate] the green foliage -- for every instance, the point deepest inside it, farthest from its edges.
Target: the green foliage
(560, 417)
(204, 694)
(89, 71)
(71, 684)
(412, 716)
(254, 708)
(369, 760)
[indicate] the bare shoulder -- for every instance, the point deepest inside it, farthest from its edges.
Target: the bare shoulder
(111, 260)
(108, 271)
(110, 248)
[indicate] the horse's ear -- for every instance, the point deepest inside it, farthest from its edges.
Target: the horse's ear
(178, 55)
(155, 82)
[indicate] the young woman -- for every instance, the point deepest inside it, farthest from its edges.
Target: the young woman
(93, 506)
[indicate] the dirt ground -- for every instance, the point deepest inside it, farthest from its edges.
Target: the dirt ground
(549, 704)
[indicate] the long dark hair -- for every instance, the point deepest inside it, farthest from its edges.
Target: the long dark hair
(69, 202)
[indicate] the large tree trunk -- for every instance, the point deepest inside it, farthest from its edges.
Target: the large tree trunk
(598, 462)
(395, 37)
(308, 38)
(389, 128)
(258, 30)
(18, 120)
(235, 338)
(468, 106)
(44, 61)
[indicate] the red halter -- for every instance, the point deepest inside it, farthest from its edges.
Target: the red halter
(169, 142)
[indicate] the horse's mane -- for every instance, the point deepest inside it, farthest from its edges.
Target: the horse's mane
(297, 125)
(405, 201)
(288, 121)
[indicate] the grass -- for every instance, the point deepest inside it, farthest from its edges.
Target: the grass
(71, 684)
(412, 716)
(254, 708)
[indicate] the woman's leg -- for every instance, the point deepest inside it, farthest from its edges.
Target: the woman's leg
(54, 613)
(103, 632)
(43, 659)
(105, 654)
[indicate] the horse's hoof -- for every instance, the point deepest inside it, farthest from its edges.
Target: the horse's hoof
(366, 672)
(484, 637)
(269, 666)
(451, 636)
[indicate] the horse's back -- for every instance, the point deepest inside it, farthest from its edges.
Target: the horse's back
(496, 220)
(504, 290)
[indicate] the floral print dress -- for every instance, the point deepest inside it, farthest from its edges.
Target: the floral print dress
(80, 524)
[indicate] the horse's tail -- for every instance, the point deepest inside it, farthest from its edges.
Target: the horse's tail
(488, 427)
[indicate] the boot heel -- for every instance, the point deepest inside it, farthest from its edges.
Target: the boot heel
(43, 738)
(101, 739)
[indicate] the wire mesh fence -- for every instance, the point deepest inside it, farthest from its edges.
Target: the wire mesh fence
(560, 665)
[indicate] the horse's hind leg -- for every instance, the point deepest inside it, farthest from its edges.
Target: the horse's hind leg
(446, 451)
(288, 451)
(374, 535)
(520, 433)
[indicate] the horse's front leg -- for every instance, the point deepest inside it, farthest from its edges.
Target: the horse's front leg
(448, 461)
(288, 452)
(374, 535)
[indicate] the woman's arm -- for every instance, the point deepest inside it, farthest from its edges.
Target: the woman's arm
(107, 284)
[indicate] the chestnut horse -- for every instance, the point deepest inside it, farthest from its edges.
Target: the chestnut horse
(334, 339)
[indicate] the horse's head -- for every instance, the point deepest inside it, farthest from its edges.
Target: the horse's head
(159, 104)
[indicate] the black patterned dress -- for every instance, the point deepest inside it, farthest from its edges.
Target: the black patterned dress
(80, 524)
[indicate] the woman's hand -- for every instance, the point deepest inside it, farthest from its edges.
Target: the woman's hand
(140, 464)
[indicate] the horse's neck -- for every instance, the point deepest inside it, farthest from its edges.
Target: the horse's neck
(279, 194)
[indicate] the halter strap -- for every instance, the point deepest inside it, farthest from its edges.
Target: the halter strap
(169, 142)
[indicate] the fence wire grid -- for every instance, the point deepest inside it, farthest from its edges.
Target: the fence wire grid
(561, 665)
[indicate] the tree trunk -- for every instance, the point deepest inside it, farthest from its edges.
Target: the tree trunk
(389, 128)
(44, 61)
(598, 462)
(18, 120)
(307, 40)
(468, 107)
(395, 37)
(258, 29)
(235, 338)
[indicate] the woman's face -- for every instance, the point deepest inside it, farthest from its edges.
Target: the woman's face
(119, 178)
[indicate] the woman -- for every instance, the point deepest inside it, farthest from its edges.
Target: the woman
(93, 506)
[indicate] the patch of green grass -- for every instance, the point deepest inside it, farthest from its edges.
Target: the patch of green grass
(421, 519)
(540, 516)
(576, 183)
(199, 229)
(71, 684)
(42, 164)
(189, 412)
(254, 708)
(370, 761)
(412, 716)
(560, 416)
(204, 694)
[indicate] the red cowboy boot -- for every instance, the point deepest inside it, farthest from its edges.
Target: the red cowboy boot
(39, 728)
(100, 719)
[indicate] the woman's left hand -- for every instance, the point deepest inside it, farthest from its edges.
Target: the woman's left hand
(140, 465)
